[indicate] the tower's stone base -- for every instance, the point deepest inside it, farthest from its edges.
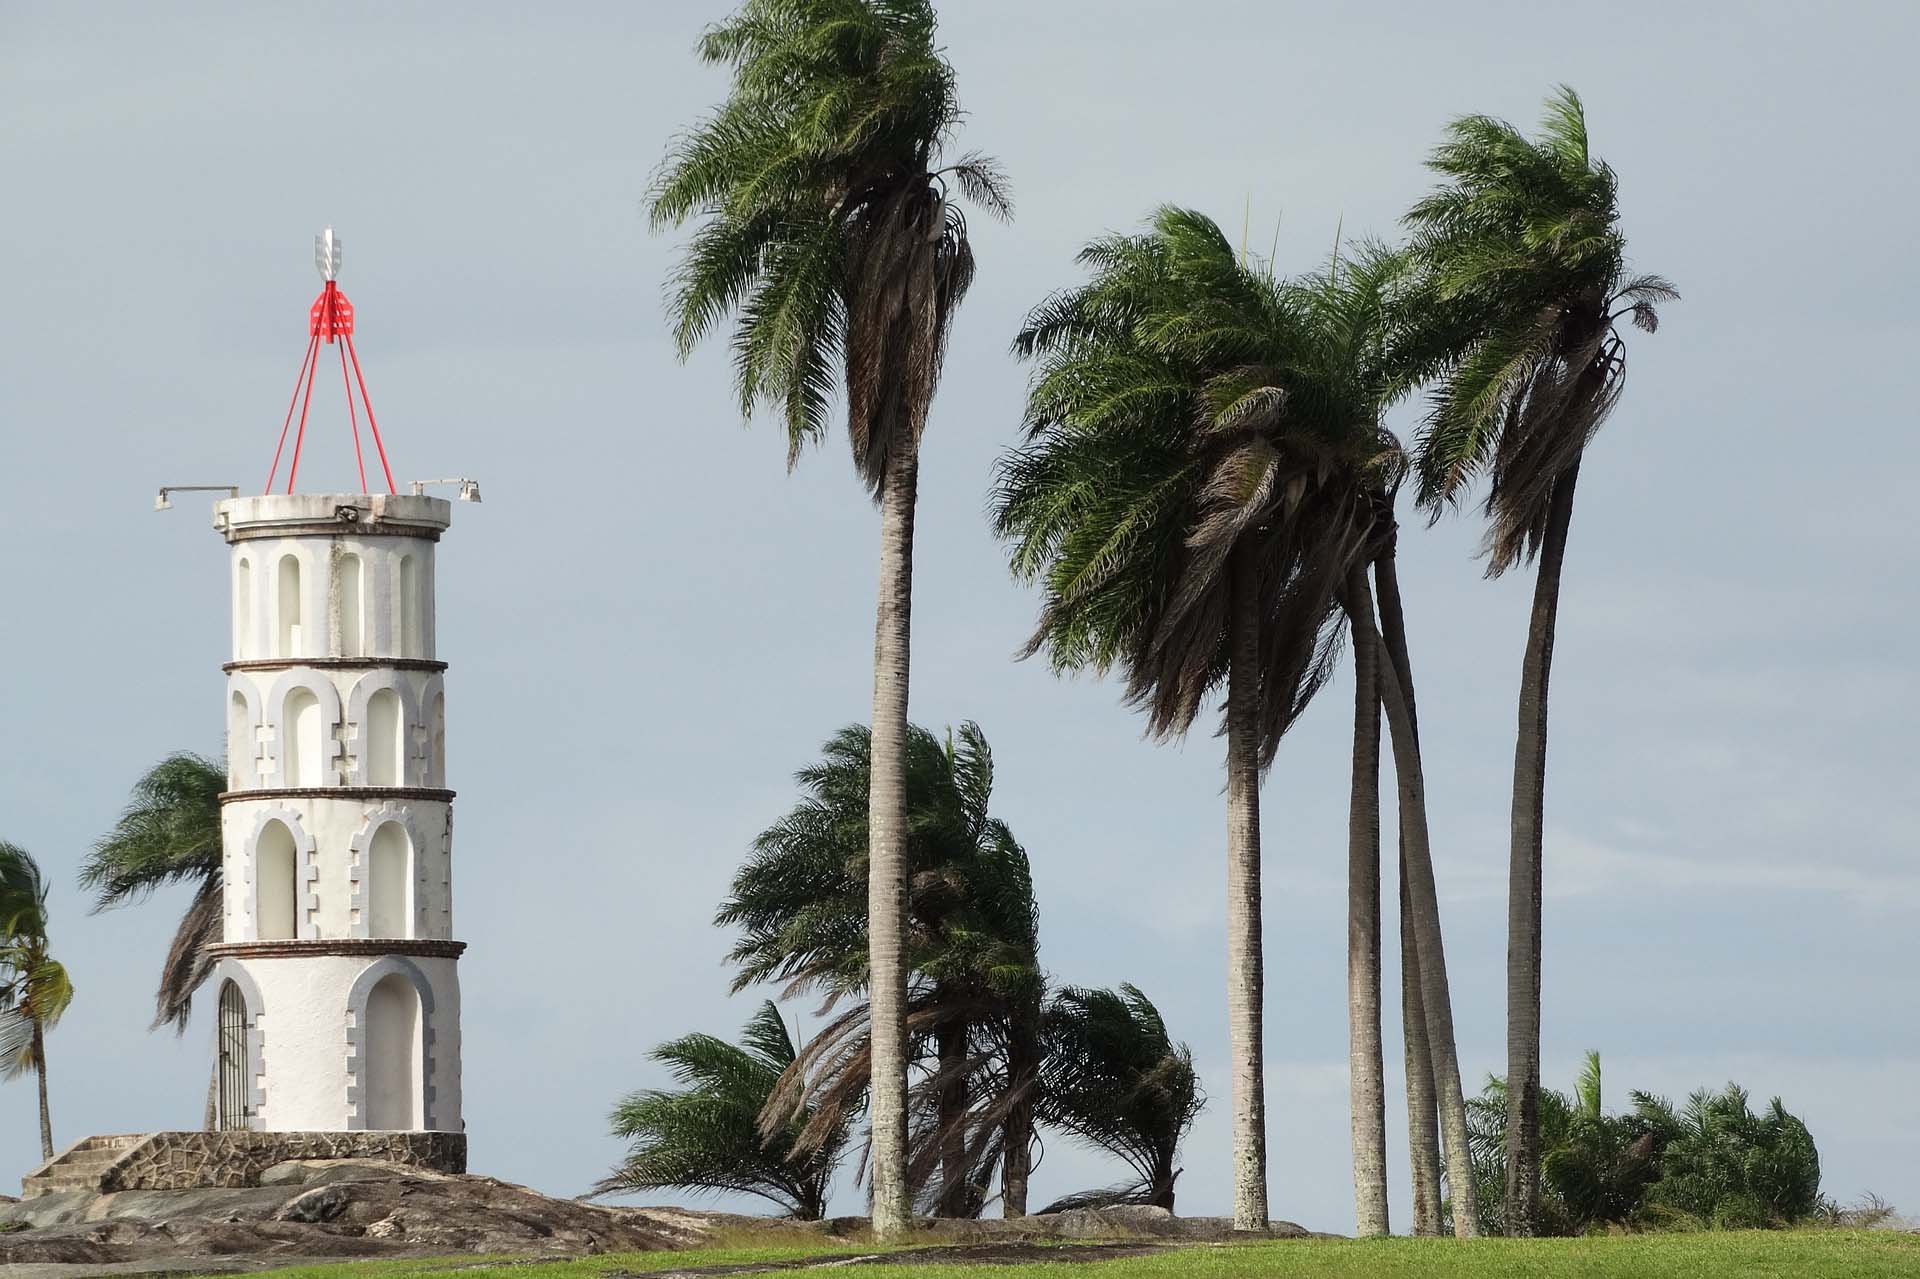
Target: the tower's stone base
(195, 1160)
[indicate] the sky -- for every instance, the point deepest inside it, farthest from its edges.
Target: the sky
(652, 624)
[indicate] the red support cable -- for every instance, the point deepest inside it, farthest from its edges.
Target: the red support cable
(293, 469)
(358, 461)
(312, 344)
(375, 426)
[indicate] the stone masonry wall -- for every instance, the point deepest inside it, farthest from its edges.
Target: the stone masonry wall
(196, 1160)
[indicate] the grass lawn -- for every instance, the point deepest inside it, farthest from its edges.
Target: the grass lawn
(1789, 1255)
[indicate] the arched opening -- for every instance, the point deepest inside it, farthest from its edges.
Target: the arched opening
(390, 1073)
(287, 607)
(409, 606)
(276, 883)
(239, 742)
(385, 738)
(347, 586)
(243, 609)
(390, 883)
(439, 725)
(234, 1101)
(303, 740)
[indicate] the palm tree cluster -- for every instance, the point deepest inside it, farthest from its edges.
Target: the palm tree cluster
(993, 1056)
(1206, 496)
(1712, 1163)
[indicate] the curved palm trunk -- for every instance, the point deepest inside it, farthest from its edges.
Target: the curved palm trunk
(1423, 1115)
(887, 847)
(1023, 1069)
(39, 1050)
(1436, 1002)
(1423, 1132)
(1366, 1088)
(1524, 874)
(1245, 979)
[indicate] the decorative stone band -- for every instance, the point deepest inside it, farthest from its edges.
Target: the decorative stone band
(338, 792)
(333, 528)
(337, 664)
(286, 948)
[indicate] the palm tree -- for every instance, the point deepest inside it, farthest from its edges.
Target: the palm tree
(1355, 363)
(1118, 1082)
(1186, 499)
(168, 834)
(826, 225)
(1522, 280)
(705, 1136)
(34, 987)
(975, 999)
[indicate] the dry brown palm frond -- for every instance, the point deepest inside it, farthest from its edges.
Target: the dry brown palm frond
(188, 964)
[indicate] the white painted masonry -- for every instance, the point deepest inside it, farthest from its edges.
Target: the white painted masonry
(337, 829)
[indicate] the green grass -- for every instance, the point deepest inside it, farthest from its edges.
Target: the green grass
(1809, 1254)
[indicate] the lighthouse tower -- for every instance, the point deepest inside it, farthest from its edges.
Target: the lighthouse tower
(338, 995)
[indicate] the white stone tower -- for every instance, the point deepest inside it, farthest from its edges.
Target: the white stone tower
(338, 996)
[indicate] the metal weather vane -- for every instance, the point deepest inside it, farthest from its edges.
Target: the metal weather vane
(330, 317)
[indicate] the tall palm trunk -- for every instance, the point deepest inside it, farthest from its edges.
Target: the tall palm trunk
(1423, 1131)
(1245, 977)
(1423, 1116)
(39, 1050)
(1366, 1089)
(1023, 1070)
(887, 846)
(1436, 1002)
(1524, 873)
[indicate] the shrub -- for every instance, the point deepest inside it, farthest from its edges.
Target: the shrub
(1724, 1165)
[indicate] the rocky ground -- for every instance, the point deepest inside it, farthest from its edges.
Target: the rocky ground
(321, 1211)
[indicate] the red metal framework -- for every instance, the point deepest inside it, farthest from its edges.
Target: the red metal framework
(330, 317)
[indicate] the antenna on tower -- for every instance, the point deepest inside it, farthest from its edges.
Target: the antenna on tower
(330, 317)
(326, 255)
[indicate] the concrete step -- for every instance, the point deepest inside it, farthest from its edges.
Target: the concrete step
(82, 1165)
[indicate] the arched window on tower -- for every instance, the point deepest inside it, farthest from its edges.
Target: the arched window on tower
(347, 582)
(287, 607)
(303, 740)
(276, 883)
(390, 883)
(390, 1074)
(410, 619)
(239, 742)
(243, 610)
(386, 745)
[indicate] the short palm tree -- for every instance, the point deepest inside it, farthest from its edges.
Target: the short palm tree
(34, 987)
(1116, 1081)
(168, 834)
(1186, 499)
(1521, 284)
(972, 942)
(827, 225)
(705, 1135)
